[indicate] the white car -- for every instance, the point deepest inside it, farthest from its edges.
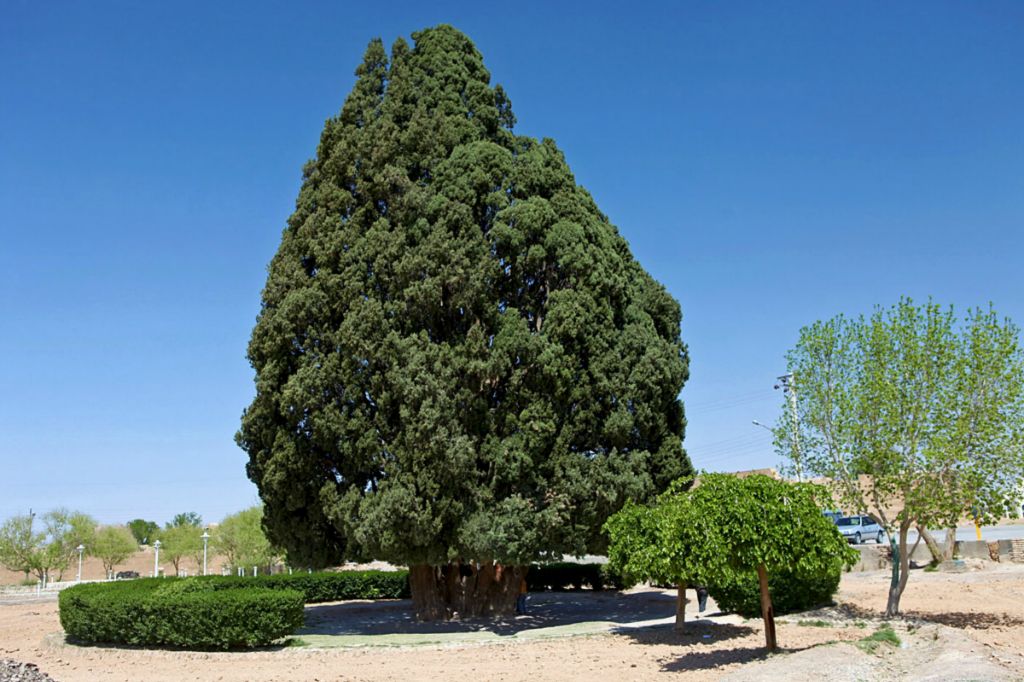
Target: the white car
(857, 529)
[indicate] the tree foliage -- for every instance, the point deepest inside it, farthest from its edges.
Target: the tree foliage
(113, 544)
(457, 356)
(179, 542)
(726, 528)
(65, 531)
(917, 417)
(191, 519)
(47, 547)
(143, 531)
(19, 544)
(240, 540)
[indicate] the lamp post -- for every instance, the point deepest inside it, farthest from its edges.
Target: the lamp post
(787, 382)
(81, 549)
(206, 539)
(156, 559)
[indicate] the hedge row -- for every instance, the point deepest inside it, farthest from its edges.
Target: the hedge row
(790, 592)
(565, 575)
(325, 586)
(171, 612)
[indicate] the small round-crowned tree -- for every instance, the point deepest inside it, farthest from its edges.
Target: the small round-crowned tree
(459, 365)
(723, 529)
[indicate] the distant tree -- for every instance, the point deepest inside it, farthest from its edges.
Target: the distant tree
(185, 519)
(144, 530)
(113, 544)
(917, 418)
(20, 544)
(47, 547)
(65, 532)
(459, 363)
(724, 527)
(241, 541)
(178, 542)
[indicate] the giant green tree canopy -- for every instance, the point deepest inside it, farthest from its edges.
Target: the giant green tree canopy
(458, 361)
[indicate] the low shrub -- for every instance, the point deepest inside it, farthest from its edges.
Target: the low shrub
(566, 575)
(180, 613)
(324, 586)
(790, 592)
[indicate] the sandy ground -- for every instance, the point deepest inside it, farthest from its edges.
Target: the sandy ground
(970, 627)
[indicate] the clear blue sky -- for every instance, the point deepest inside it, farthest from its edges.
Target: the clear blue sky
(771, 163)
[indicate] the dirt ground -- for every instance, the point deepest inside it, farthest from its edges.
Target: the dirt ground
(959, 626)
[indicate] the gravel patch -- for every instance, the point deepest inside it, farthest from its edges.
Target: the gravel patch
(13, 671)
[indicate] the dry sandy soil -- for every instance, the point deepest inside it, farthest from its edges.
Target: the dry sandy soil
(961, 626)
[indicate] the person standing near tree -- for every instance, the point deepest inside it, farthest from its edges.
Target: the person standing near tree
(521, 599)
(702, 598)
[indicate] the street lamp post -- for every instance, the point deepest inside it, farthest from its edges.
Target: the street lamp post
(787, 382)
(81, 549)
(206, 539)
(156, 559)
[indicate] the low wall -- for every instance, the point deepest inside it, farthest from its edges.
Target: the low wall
(875, 557)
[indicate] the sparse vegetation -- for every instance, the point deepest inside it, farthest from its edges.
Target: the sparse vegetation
(884, 635)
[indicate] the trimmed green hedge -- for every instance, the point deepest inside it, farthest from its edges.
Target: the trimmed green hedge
(213, 612)
(790, 592)
(324, 586)
(567, 575)
(171, 612)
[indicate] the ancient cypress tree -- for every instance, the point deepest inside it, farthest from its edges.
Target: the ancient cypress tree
(459, 365)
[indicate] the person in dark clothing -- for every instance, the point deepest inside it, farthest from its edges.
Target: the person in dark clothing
(702, 598)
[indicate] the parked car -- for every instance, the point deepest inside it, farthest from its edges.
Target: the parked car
(126, 575)
(857, 529)
(833, 515)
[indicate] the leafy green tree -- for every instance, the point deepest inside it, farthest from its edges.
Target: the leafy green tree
(113, 544)
(724, 528)
(51, 548)
(65, 530)
(20, 544)
(178, 542)
(459, 364)
(191, 519)
(241, 541)
(143, 530)
(916, 416)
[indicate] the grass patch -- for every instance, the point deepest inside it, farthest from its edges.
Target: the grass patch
(883, 635)
(931, 568)
(860, 624)
(814, 623)
(295, 641)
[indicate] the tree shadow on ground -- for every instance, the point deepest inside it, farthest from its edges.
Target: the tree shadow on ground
(698, 643)
(544, 610)
(961, 619)
(715, 658)
(956, 619)
(696, 634)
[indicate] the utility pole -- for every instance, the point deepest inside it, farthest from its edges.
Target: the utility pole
(787, 382)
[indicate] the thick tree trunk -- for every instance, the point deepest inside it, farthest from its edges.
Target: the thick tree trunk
(939, 552)
(900, 571)
(950, 548)
(933, 547)
(767, 612)
(465, 590)
(681, 608)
